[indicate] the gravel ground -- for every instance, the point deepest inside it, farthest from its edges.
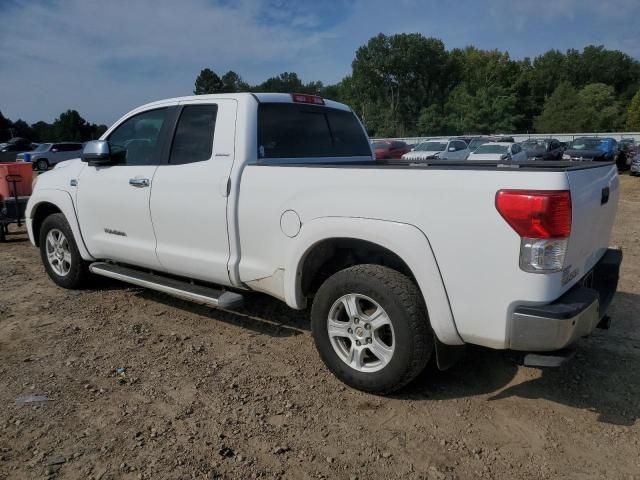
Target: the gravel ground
(143, 386)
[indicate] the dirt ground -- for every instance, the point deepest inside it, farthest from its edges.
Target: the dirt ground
(213, 394)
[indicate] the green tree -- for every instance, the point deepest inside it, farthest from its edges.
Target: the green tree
(399, 75)
(598, 109)
(633, 113)
(22, 129)
(233, 83)
(287, 82)
(6, 128)
(208, 82)
(560, 112)
(69, 126)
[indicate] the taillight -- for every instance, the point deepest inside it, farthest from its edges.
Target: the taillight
(306, 98)
(542, 218)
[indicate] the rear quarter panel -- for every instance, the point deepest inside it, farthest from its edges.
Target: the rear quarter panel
(476, 251)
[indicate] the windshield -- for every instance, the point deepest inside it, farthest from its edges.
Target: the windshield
(492, 148)
(535, 144)
(585, 144)
(43, 147)
(476, 142)
(381, 145)
(431, 147)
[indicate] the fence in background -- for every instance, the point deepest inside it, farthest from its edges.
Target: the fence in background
(521, 137)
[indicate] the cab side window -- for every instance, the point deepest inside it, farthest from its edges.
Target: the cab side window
(135, 141)
(193, 140)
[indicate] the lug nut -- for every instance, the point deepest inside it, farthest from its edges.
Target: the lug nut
(349, 330)
(358, 343)
(367, 326)
(356, 320)
(368, 339)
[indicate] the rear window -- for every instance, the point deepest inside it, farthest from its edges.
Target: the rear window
(288, 130)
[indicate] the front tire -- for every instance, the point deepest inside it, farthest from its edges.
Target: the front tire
(371, 328)
(60, 254)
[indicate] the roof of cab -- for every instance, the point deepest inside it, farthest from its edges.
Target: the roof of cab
(259, 97)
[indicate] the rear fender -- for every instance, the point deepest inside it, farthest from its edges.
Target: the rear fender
(406, 241)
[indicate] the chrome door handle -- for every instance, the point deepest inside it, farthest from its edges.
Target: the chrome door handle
(139, 182)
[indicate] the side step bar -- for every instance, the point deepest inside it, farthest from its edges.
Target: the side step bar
(171, 286)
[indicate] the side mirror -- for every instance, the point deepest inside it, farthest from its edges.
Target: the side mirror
(97, 152)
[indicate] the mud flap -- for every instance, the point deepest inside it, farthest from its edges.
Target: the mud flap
(448, 355)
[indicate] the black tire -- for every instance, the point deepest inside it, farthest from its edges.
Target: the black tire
(42, 165)
(403, 303)
(79, 269)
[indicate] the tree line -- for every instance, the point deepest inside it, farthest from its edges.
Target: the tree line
(410, 85)
(69, 126)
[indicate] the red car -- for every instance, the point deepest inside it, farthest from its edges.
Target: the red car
(388, 149)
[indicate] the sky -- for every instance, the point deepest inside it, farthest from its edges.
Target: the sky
(105, 57)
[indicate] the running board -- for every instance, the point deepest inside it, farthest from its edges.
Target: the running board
(171, 286)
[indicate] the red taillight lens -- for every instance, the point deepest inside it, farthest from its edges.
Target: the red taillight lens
(536, 213)
(306, 98)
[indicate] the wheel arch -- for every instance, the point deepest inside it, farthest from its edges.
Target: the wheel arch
(398, 245)
(46, 202)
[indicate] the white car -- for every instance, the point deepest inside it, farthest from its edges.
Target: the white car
(499, 151)
(399, 262)
(440, 149)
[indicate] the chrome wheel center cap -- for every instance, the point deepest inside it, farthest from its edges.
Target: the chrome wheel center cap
(360, 332)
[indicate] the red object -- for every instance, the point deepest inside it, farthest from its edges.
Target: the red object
(536, 213)
(306, 98)
(390, 149)
(19, 170)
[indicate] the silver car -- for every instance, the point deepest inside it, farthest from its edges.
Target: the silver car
(48, 154)
(439, 148)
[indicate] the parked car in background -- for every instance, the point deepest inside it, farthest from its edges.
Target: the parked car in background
(439, 148)
(48, 154)
(475, 142)
(590, 149)
(543, 149)
(635, 166)
(504, 138)
(10, 150)
(630, 146)
(498, 151)
(389, 149)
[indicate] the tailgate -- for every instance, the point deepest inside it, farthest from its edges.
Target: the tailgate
(594, 201)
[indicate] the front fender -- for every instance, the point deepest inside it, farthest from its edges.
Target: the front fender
(406, 241)
(63, 201)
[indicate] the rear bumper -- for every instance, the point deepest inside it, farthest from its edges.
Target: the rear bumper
(543, 328)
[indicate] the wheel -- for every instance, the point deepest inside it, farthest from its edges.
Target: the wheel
(59, 253)
(371, 329)
(42, 165)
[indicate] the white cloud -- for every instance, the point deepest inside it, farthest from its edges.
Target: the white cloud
(105, 57)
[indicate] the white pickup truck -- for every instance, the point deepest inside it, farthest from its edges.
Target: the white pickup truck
(212, 196)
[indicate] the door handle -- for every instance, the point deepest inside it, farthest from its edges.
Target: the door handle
(139, 182)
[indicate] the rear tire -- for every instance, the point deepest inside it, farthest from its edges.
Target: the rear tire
(42, 165)
(371, 328)
(60, 254)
